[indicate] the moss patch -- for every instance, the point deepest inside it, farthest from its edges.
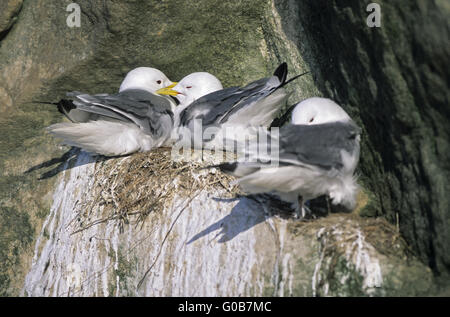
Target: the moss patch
(16, 235)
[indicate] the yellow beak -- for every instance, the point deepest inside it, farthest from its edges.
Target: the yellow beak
(168, 90)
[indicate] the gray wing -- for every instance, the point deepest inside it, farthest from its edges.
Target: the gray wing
(135, 106)
(217, 107)
(318, 145)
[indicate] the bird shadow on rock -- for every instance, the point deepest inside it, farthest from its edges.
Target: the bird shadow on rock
(252, 210)
(244, 215)
(72, 158)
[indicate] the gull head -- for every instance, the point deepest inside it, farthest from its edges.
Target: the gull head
(145, 78)
(193, 87)
(318, 111)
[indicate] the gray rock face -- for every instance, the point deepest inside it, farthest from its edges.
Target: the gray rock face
(8, 15)
(393, 80)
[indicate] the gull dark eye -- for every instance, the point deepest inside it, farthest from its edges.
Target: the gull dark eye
(158, 82)
(189, 87)
(311, 120)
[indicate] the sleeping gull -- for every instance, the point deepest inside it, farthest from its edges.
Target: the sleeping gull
(318, 154)
(226, 111)
(135, 119)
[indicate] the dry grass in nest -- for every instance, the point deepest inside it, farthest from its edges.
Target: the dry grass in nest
(131, 188)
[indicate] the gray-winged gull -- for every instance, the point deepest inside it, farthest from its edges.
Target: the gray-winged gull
(135, 119)
(318, 154)
(226, 111)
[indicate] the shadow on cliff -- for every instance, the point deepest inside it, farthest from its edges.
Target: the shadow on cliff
(252, 210)
(246, 214)
(72, 158)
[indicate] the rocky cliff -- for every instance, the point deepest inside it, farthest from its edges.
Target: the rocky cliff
(72, 224)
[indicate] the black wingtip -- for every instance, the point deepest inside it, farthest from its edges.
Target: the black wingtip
(64, 105)
(278, 122)
(293, 78)
(281, 72)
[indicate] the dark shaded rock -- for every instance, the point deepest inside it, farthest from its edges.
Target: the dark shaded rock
(395, 80)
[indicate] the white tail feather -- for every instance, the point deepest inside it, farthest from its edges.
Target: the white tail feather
(344, 191)
(103, 137)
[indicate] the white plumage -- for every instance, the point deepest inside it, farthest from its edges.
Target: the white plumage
(135, 119)
(225, 114)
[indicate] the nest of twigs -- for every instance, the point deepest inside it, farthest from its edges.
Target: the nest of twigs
(133, 187)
